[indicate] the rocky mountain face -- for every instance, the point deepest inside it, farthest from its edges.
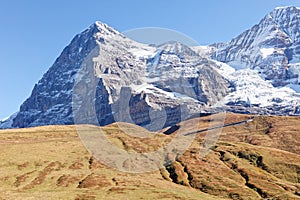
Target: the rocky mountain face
(51, 98)
(103, 76)
(271, 47)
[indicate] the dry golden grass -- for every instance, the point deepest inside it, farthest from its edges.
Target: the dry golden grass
(51, 163)
(257, 160)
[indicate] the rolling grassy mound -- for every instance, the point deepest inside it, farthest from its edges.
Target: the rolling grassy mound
(255, 160)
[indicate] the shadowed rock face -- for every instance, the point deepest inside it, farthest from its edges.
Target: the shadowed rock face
(50, 100)
(99, 79)
(268, 46)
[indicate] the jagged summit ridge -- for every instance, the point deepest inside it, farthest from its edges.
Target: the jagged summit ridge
(105, 29)
(287, 8)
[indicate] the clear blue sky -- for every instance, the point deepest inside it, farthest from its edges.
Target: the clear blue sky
(34, 32)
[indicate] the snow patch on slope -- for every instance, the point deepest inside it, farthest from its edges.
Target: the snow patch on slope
(266, 52)
(7, 121)
(250, 85)
(151, 89)
(224, 69)
(203, 51)
(142, 51)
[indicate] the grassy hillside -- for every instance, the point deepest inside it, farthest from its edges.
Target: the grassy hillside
(256, 160)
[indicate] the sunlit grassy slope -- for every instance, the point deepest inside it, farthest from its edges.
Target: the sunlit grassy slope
(256, 160)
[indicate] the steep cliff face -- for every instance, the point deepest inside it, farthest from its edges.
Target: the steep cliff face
(102, 77)
(268, 47)
(51, 98)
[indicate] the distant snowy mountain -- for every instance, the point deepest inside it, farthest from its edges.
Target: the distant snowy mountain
(103, 73)
(265, 64)
(271, 47)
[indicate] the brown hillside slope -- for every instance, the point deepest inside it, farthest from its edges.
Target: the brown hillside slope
(256, 160)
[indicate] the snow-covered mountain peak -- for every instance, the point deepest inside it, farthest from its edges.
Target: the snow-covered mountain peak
(173, 49)
(284, 14)
(287, 19)
(171, 44)
(286, 8)
(105, 29)
(268, 47)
